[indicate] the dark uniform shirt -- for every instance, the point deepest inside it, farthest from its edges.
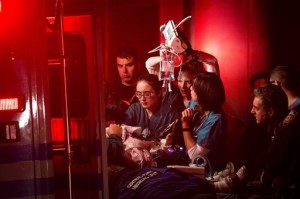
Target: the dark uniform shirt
(283, 158)
(154, 127)
(119, 97)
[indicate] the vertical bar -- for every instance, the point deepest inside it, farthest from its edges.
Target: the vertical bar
(65, 91)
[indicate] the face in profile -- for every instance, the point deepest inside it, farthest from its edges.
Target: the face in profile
(147, 96)
(185, 81)
(261, 115)
(127, 69)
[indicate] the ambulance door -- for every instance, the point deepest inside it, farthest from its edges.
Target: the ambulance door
(80, 173)
(26, 167)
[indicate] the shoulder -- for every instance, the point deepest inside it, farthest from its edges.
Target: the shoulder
(292, 116)
(215, 116)
(216, 119)
(113, 85)
(135, 106)
(295, 104)
(118, 87)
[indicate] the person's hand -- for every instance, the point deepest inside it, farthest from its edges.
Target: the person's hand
(115, 129)
(152, 64)
(186, 117)
(169, 139)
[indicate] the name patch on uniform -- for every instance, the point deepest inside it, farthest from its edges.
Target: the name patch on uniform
(135, 183)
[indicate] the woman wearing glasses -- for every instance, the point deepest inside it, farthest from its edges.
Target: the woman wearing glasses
(151, 113)
(159, 120)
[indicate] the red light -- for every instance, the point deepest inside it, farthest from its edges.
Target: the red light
(12, 104)
(78, 130)
(74, 130)
(57, 129)
(0, 6)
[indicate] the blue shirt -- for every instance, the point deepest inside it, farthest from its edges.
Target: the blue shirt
(296, 103)
(210, 131)
(192, 104)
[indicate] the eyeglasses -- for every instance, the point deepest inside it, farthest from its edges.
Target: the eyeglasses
(146, 94)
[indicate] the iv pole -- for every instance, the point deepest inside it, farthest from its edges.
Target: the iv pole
(59, 20)
(67, 125)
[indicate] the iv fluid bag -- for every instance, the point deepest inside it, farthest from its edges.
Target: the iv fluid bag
(166, 70)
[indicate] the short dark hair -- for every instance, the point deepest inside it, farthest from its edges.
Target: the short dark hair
(190, 67)
(210, 90)
(288, 77)
(272, 96)
(257, 76)
(127, 52)
(152, 80)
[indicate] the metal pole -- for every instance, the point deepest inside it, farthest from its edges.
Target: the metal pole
(67, 125)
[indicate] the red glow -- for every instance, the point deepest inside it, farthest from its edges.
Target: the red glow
(74, 130)
(57, 130)
(0, 6)
(234, 34)
(78, 130)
